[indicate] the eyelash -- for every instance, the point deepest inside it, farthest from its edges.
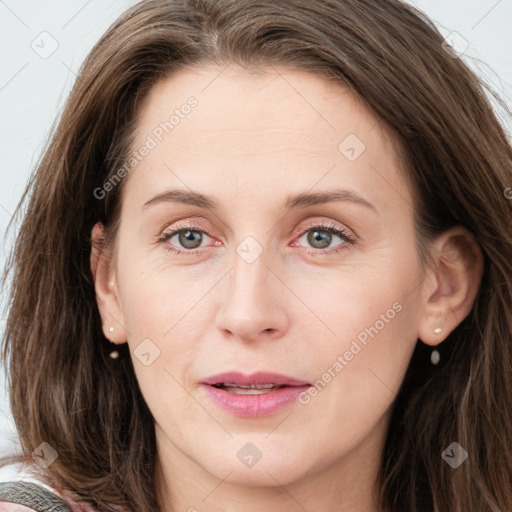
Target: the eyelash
(331, 228)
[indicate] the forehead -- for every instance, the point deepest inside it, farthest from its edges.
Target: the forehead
(234, 99)
(267, 126)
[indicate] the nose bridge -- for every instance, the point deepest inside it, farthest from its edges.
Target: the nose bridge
(252, 302)
(250, 275)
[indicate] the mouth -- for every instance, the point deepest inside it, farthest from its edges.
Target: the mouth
(256, 395)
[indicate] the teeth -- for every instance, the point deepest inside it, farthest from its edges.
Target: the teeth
(244, 391)
(251, 386)
(251, 389)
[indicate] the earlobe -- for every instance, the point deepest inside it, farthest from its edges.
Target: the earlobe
(451, 288)
(109, 306)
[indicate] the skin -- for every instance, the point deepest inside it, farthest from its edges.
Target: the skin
(252, 140)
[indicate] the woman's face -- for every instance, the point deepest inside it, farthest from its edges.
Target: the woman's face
(267, 228)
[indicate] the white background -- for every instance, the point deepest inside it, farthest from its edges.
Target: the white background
(33, 89)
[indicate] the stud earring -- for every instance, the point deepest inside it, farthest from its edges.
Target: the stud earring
(111, 329)
(114, 354)
(437, 330)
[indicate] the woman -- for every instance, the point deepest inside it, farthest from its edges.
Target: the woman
(291, 220)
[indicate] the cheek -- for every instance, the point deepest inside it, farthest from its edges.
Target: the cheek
(352, 301)
(154, 295)
(158, 310)
(367, 330)
(164, 314)
(358, 371)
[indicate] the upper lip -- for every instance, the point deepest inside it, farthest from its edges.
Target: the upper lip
(257, 378)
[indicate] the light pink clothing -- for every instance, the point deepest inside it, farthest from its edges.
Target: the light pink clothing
(12, 507)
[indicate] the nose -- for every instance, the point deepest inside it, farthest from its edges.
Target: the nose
(253, 304)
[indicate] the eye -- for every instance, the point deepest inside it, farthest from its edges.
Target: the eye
(321, 236)
(188, 238)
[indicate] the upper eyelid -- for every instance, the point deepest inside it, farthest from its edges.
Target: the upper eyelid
(310, 225)
(326, 225)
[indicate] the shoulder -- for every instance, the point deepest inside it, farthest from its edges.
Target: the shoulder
(21, 489)
(8, 506)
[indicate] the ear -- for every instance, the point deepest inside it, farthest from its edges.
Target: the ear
(451, 288)
(105, 284)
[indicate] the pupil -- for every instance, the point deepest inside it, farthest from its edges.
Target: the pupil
(321, 237)
(189, 238)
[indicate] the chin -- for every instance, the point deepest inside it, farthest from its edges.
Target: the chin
(265, 466)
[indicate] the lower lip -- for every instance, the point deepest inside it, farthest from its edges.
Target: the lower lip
(254, 406)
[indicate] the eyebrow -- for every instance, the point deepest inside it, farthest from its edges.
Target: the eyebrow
(301, 200)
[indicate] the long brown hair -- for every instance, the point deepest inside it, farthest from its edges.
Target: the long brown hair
(64, 388)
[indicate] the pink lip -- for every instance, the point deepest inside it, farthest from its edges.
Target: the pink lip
(255, 378)
(254, 406)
